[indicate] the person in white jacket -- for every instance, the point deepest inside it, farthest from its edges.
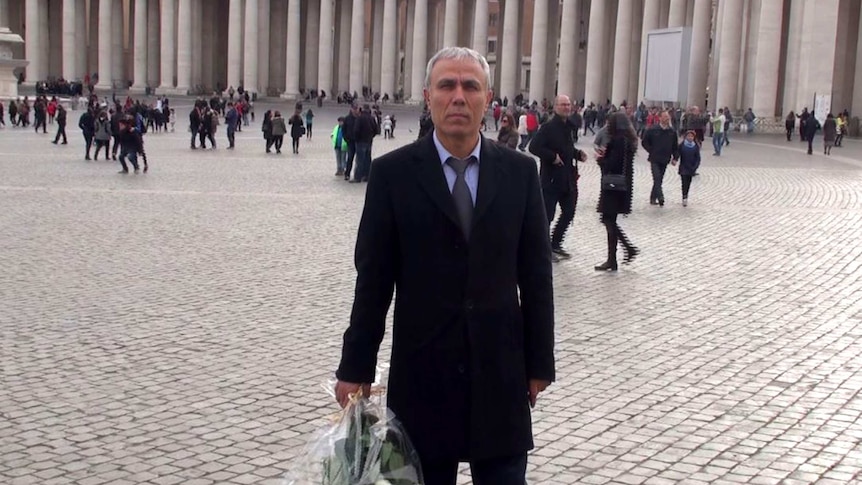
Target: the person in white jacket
(522, 131)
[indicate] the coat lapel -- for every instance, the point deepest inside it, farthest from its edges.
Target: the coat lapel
(489, 173)
(432, 179)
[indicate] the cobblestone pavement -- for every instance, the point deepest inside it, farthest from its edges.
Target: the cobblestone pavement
(175, 327)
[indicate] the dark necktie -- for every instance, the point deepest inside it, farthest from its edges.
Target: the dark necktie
(461, 193)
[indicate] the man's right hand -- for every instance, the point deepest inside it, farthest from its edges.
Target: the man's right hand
(343, 390)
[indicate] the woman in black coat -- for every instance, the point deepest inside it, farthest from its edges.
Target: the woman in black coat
(266, 128)
(297, 130)
(617, 158)
(790, 124)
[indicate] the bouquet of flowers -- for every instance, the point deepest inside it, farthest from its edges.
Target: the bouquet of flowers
(364, 445)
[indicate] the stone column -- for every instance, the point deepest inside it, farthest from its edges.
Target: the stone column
(794, 47)
(568, 48)
(184, 46)
(291, 80)
(450, 25)
(357, 47)
(622, 53)
(816, 69)
(117, 62)
(676, 13)
(81, 38)
(33, 48)
(664, 10)
(93, 37)
(311, 49)
(327, 47)
(168, 46)
(234, 45)
(594, 89)
(264, 27)
(768, 55)
(48, 66)
(250, 73)
(699, 63)
(70, 49)
(153, 47)
(728, 62)
(377, 46)
(197, 56)
(408, 49)
(139, 84)
(856, 107)
(420, 51)
(389, 52)
(106, 56)
(509, 60)
(480, 27)
(635, 52)
(344, 20)
(539, 54)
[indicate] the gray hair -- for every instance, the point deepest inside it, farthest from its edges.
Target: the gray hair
(459, 54)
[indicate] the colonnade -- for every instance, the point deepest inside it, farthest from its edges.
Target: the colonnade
(771, 55)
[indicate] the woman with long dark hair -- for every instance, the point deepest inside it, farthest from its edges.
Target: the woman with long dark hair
(508, 135)
(266, 128)
(616, 161)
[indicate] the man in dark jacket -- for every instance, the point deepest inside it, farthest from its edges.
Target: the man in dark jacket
(61, 125)
(453, 226)
(87, 124)
(131, 144)
(116, 117)
(195, 126)
(365, 130)
(662, 144)
(554, 145)
(349, 130)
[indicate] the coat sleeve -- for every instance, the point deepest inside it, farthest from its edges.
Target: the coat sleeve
(539, 145)
(647, 140)
(376, 255)
(512, 141)
(675, 150)
(535, 281)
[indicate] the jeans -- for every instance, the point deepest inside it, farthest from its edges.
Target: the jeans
(61, 131)
(231, 137)
(509, 470)
(88, 142)
(523, 144)
(340, 160)
(363, 161)
(568, 202)
(278, 140)
(717, 141)
(686, 185)
(750, 127)
(133, 159)
(194, 129)
(658, 169)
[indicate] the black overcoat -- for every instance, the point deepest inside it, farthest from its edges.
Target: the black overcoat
(619, 160)
(473, 320)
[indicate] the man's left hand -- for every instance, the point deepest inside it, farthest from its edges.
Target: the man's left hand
(537, 386)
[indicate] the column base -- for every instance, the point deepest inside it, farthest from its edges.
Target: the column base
(172, 91)
(290, 96)
(414, 102)
(8, 80)
(104, 87)
(138, 90)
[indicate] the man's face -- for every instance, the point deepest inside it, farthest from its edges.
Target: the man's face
(457, 97)
(563, 106)
(665, 118)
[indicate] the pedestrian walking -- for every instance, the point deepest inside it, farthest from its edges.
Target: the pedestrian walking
(717, 131)
(103, 135)
(2, 115)
(841, 128)
(266, 128)
(812, 126)
(508, 134)
(231, 119)
(387, 127)
(364, 132)
(790, 124)
(130, 145)
(689, 162)
(661, 144)
(297, 130)
(279, 129)
(728, 125)
(558, 171)
(87, 124)
(349, 130)
(830, 132)
(309, 122)
(616, 161)
(340, 146)
(60, 115)
(468, 362)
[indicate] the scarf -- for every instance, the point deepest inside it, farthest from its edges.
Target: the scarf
(689, 144)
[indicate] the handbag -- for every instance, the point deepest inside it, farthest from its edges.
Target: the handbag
(616, 182)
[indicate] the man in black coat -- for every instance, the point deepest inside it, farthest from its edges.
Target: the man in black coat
(61, 125)
(662, 144)
(349, 131)
(555, 146)
(365, 129)
(457, 225)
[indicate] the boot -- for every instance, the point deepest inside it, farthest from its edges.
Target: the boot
(631, 252)
(611, 263)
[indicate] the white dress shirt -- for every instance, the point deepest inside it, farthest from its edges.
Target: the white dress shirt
(471, 175)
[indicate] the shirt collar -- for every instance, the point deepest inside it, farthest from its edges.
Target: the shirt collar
(444, 154)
